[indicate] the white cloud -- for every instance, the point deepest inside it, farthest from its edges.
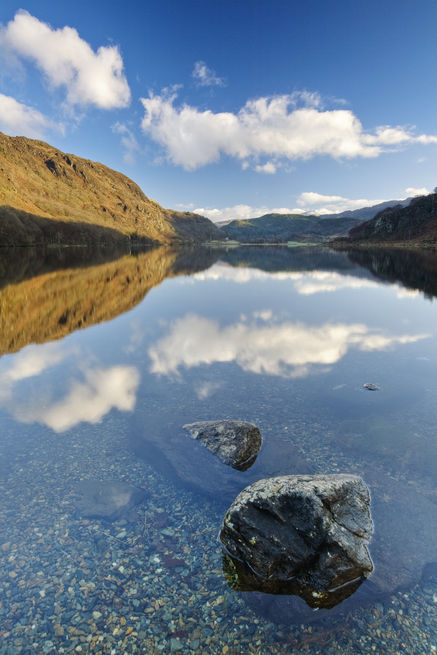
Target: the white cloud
(417, 191)
(242, 212)
(286, 349)
(265, 127)
(91, 78)
(319, 203)
(128, 141)
(88, 401)
(205, 76)
(17, 119)
(269, 168)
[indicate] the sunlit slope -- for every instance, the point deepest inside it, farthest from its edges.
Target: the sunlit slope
(46, 183)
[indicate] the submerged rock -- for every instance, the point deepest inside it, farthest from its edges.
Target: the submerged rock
(300, 534)
(107, 500)
(370, 386)
(236, 443)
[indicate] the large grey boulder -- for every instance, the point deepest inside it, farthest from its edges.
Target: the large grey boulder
(300, 534)
(235, 443)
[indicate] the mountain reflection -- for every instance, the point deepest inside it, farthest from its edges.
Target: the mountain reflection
(36, 308)
(286, 349)
(414, 269)
(46, 295)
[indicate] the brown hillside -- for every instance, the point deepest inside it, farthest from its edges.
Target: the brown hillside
(46, 183)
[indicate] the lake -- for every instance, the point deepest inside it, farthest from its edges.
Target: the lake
(110, 513)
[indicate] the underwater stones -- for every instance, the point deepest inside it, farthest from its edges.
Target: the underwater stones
(300, 534)
(108, 500)
(235, 443)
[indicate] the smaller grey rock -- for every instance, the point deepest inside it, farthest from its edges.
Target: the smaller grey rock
(235, 443)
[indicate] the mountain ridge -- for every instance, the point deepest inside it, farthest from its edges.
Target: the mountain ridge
(415, 224)
(87, 202)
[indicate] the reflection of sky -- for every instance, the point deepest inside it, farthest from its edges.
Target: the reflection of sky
(278, 324)
(305, 283)
(287, 349)
(89, 399)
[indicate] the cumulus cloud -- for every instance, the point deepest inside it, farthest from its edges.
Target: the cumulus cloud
(289, 127)
(286, 349)
(17, 119)
(205, 76)
(91, 78)
(417, 191)
(128, 141)
(243, 212)
(269, 167)
(319, 203)
(90, 401)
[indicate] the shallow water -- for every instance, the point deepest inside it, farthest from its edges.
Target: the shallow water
(285, 338)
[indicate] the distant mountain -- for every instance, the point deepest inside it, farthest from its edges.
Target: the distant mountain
(366, 213)
(48, 196)
(416, 223)
(281, 228)
(361, 214)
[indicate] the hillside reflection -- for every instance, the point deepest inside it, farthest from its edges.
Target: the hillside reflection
(414, 269)
(47, 295)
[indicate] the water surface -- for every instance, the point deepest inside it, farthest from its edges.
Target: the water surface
(105, 360)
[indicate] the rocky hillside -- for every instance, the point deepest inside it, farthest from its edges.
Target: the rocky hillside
(416, 223)
(48, 196)
(280, 228)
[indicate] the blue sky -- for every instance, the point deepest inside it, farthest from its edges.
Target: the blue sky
(232, 108)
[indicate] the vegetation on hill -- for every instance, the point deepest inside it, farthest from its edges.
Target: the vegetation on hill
(85, 202)
(416, 223)
(280, 228)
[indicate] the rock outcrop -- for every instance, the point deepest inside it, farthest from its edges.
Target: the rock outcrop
(298, 534)
(416, 223)
(235, 443)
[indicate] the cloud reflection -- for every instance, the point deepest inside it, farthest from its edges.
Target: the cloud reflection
(90, 401)
(306, 283)
(101, 390)
(286, 349)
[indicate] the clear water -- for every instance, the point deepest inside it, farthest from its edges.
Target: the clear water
(285, 338)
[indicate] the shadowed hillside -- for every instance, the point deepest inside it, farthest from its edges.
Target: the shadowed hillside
(56, 303)
(38, 182)
(415, 224)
